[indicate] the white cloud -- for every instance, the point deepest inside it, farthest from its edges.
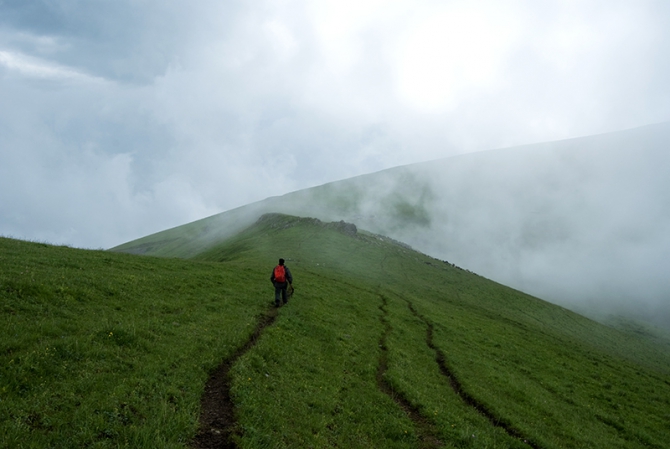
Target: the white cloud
(221, 104)
(37, 68)
(451, 51)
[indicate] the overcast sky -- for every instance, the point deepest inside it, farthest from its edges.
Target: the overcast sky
(119, 118)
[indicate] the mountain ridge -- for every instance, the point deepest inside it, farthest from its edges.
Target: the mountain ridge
(579, 222)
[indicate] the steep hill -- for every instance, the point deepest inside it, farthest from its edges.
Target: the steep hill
(381, 346)
(581, 222)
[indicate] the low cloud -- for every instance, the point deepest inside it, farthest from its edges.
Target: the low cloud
(111, 109)
(582, 222)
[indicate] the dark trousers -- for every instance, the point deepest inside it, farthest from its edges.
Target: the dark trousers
(280, 287)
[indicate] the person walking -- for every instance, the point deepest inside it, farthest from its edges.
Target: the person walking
(281, 278)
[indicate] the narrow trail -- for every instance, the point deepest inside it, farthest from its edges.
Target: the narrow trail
(425, 430)
(217, 417)
(458, 388)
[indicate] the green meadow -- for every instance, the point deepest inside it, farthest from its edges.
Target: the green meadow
(381, 346)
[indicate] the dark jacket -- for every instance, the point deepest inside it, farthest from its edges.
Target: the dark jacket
(289, 277)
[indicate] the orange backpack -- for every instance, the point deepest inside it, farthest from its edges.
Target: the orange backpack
(280, 273)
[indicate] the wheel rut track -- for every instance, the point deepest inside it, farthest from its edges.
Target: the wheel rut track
(458, 388)
(218, 425)
(425, 430)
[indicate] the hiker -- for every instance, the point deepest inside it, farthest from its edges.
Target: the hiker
(281, 278)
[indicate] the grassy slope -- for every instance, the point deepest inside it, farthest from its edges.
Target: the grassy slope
(557, 232)
(106, 350)
(559, 378)
(132, 339)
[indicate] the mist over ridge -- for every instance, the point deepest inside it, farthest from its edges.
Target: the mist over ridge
(584, 222)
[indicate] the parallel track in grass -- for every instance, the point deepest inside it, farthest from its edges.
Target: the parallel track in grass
(471, 401)
(426, 432)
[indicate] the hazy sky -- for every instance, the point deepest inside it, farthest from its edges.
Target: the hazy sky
(120, 118)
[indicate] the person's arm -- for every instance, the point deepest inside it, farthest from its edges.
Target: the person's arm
(289, 277)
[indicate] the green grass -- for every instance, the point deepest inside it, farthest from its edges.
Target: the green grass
(108, 350)
(112, 350)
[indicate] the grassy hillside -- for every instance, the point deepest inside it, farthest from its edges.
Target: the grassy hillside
(381, 346)
(110, 350)
(580, 222)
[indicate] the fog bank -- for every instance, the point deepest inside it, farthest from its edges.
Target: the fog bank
(582, 222)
